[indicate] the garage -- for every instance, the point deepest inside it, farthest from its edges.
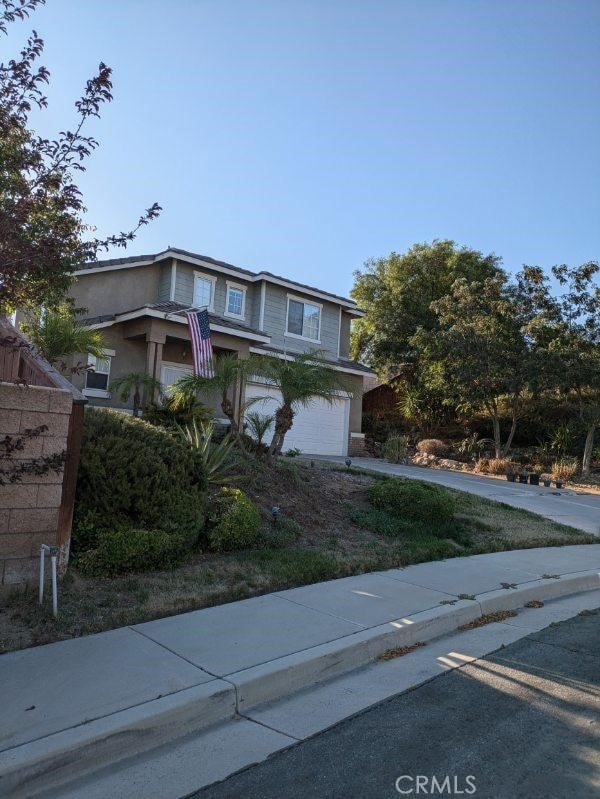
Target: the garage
(319, 429)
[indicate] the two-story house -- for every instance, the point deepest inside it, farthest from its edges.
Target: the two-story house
(139, 304)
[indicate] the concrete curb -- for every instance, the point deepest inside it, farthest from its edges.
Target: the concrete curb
(278, 678)
(42, 764)
(51, 761)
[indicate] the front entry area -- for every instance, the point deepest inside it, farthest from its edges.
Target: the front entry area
(319, 429)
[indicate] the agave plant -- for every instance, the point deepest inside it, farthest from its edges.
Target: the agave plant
(217, 458)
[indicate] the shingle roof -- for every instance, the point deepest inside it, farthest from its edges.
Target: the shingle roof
(177, 307)
(172, 308)
(96, 320)
(343, 362)
(208, 259)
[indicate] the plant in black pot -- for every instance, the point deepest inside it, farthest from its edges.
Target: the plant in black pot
(534, 479)
(523, 477)
(511, 472)
(546, 481)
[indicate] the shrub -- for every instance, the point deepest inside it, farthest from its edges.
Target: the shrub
(172, 413)
(563, 470)
(496, 466)
(433, 446)
(412, 499)
(130, 550)
(236, 519)
(134, 475)
(395, 448)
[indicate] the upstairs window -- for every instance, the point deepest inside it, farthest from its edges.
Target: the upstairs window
(204, 291)
(236, 301)
(303, 319)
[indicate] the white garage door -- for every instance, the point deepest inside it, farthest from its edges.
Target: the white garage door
(319, 429)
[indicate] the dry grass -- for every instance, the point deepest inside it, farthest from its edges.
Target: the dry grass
(400, 651)
(488, 618)
(535, 603)
(321, 500)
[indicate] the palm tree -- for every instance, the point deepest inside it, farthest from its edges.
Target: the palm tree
(229, 370)
(299, 381)
(56, 334)
(258, 425)
(134, 383)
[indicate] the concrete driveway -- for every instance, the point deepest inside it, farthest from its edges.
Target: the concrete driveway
(575, 508)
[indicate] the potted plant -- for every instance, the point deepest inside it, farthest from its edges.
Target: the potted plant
(534, 479)
(522, 477)
(511, 472)
(546, 480)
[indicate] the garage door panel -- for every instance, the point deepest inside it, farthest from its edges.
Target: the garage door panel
(321, 428)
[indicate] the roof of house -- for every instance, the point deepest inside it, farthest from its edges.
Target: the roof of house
(344, 363)
(174, 252)
(168, 308)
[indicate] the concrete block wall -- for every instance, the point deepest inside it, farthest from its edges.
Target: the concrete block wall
(29, 509)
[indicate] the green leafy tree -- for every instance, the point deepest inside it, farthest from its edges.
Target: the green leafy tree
(42, 226)
(57, 334)
(397, 291)
(300, 380)
(566, 327)
(479, 356)
(136, 383)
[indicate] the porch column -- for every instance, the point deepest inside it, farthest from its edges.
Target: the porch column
(154, 356)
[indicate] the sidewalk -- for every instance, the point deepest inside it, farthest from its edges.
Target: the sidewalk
(169, 676)
(573, 507)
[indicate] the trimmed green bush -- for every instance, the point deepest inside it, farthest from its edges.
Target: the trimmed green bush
(129, 550)
(411, 499)
(135, 475)
(237, 521)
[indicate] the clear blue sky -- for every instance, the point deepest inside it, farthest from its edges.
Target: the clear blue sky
(305, 136)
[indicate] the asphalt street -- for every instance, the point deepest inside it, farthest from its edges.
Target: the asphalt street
(523, 722)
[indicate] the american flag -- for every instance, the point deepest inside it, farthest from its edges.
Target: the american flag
(201, 343)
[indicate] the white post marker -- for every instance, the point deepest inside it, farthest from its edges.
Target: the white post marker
(53, 551)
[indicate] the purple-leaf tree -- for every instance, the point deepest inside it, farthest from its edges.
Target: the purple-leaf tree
(43, 236)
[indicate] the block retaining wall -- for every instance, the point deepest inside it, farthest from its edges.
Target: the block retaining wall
(30, 510)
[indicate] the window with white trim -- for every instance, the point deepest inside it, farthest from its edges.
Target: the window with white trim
(204, 292)
(303, 319)
(236, 300)
(98, 373)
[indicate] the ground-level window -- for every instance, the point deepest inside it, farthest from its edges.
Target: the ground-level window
(98, 373)
(171, 373)
(303, 319)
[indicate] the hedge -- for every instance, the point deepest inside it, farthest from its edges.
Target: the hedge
(135, 475)
(411, 499)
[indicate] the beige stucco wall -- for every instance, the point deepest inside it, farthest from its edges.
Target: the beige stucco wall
(116, 291)
(29, 509)
(355, 383)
